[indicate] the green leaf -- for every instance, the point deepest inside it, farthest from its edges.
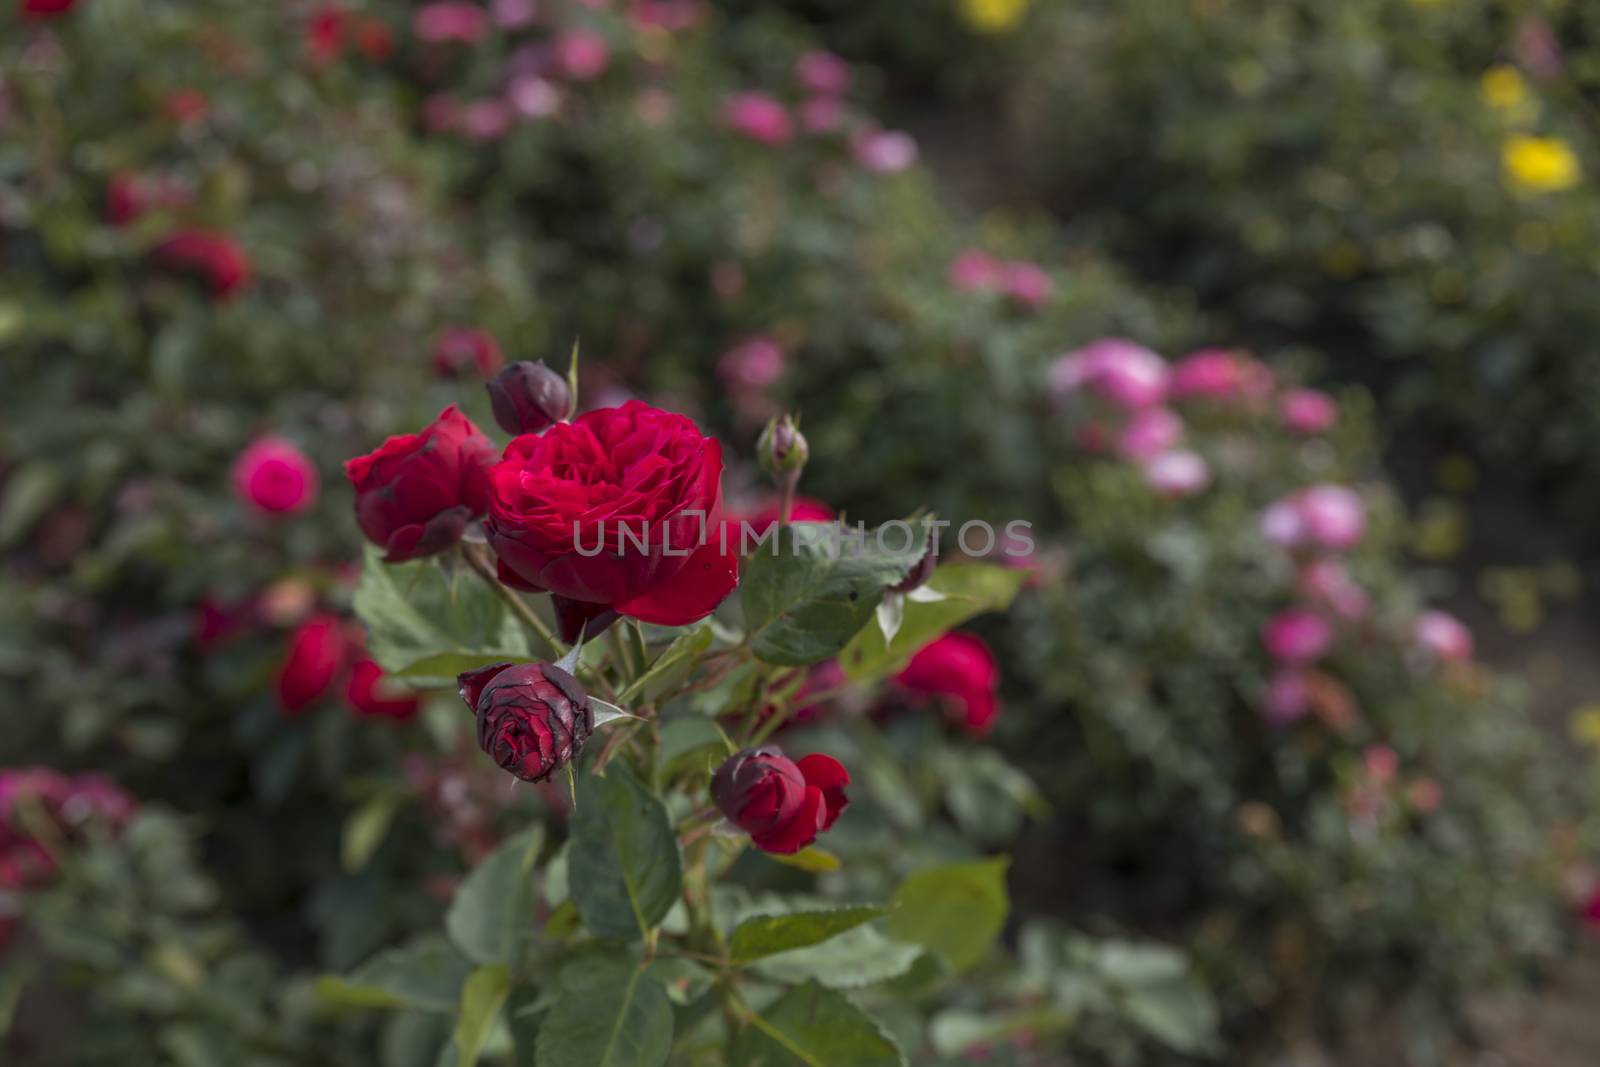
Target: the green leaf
(851, 960)
(811, 1026)
(426, 975)
(804, 602)
(27, 494)
(690, 743)
(1179, 1013)
(969, 589)
(956, 910)
(612, 1014)
(491, 918)
(481, 998)
(365, 828)
(813, 859)
(767, 935)
(624, 855)
(684, 650)
(422, 625)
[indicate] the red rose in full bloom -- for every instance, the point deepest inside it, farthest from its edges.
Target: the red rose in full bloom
(366, 694)
(533, 718)
(42, 9)
(214, 257)
(417, 492)
(615, 513)
(317, 652)
(782, 804)
(959, 668)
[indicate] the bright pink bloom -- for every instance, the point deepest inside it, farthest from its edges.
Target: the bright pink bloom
(582, 55)
(974, 270)
(1149, 433)
(1443, 636)
(275, 477)
(1334, 516)
(1176, 474)
(1297, 636)
(759, 117)
(1308, 411)
(1115, 369)
(1219, 374)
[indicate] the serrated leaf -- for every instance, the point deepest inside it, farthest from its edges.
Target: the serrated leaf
(481, 999)
(491, 918)
(612, 1014)
(415, 616)
(768, 935)
(806, 600)
(966, 589)
(955, 910)
(624, 855)
(426, 975)
(811, 1026)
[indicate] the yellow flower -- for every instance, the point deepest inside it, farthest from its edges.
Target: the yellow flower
(993, 16)
(1540, 164)
(1505, 90)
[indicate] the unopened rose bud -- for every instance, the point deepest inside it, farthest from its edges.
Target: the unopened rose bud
(533, 718)
(528, 396)
(781, 803)
(782, 449)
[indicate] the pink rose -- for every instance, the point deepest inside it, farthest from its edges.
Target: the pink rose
(1177, 474)
(822, 73)
(884, 151)
(450, 20)
(582, 55)
(1297, 636)
(1443, 636)
(974, 270)
(758, 117)
(1149, 433)
(1308, 412)
(1115, 369)
(275, 477)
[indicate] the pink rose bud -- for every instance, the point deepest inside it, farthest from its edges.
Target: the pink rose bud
(1443, 636)
(450, 20)
(758, 117)
(1308, 412)
(1177, 473)
(1297, 636)
(582, 55)
(1334, 517)
(884, 151)
(822, 73)
(1028, 284)
(1149, 433)
(975, 270)
(275, 477)
(1288, 697)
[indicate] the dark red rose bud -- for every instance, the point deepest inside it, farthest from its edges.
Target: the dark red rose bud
(528, 396)
(317, 652)
(215, 258)
(417, 493)
(533, 718)
(781, 804)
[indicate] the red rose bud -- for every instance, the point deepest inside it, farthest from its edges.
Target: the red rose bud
(417, 493)
(618, 510)
(782, 448)
(463, 348)
(782, 804)
(317, 653)
(959, 670)
(533, 718)
(528, 397)
(368, 695)
(215, 258)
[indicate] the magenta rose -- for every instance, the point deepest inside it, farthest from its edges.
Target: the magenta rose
(959, 670)
(417, 492)
(781, 803)
(615, 513)
(533, 718)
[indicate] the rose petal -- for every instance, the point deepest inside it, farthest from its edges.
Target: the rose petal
(799, 831)
(691, 594)
(828, 776)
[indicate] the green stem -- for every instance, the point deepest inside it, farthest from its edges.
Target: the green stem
(520, 608)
